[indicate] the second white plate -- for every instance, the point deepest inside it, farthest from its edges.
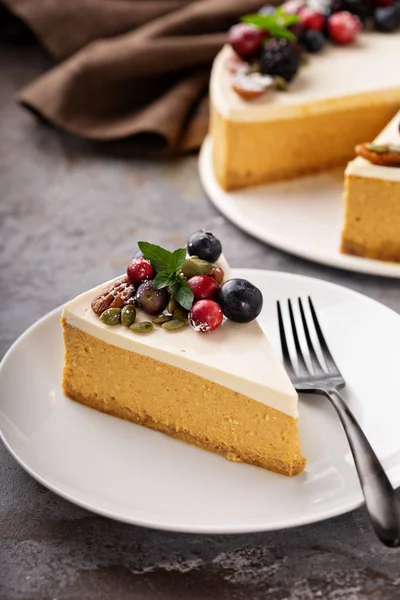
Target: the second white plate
(140, 476)
(302, 217)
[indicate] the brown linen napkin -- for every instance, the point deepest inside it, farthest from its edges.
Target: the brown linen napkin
(129, 67)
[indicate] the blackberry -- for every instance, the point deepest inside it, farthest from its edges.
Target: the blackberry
(386, 19)
(280, 58)
(313, 41)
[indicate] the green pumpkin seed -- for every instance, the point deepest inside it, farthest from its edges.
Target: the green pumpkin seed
(172, 304)
(162, 319)
(181, 314)
(379, 149)
(128, 315)
(196, 266)
(111, 316)
(142, 327)
(281, 83)
(173, 324)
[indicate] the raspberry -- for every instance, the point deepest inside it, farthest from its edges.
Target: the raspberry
(311, 19)
(205, 316)
(139, 269)
(343, 27)
(280, 58)
(245, 39)
(203, 287)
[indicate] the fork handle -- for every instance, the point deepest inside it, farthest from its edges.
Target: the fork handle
(380, 497)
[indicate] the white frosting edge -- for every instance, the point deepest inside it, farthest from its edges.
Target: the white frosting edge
(360, 167)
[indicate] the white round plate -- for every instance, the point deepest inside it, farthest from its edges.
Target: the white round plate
(303, 217)
(140, 476)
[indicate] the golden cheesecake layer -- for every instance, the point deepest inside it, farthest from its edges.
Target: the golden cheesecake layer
(149, 392)
(250, 153)
(372, 218)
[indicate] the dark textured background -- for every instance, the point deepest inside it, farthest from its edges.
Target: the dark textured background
(70, 213)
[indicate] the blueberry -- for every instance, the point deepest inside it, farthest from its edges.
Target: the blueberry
(386, 19)
(151, 301)
(313, 41)
(240, 300)
(204, 245)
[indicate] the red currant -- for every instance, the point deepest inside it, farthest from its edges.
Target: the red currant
(139, 269)
(245, 39)
(343, 27)
(311, 19)
(203, 287)
(205, 316)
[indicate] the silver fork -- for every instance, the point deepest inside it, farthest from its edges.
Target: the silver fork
(380, 498)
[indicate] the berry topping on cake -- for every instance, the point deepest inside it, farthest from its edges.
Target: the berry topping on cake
(343, 27)
(203, 287)
(311, 19)
(177, 290)
(245, 39)
(313, 41)
(206, 316)
(151, 301)
(280, 58)
(204, 245)
(387, 18)
(240, 300)
(139, 269)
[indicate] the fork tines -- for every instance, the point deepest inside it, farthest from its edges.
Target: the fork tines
(303, 370)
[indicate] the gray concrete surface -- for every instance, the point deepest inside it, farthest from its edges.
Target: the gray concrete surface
(70, 213)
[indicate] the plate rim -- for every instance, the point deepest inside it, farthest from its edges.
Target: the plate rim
(216, 194)
(337, 510)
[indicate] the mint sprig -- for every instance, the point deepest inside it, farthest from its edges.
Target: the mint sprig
(168, 266)
(276, 24)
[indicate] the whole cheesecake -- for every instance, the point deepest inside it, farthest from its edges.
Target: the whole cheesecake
(343, 96)
(222, 390)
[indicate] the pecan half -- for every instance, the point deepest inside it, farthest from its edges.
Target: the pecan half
(117, 295)
(385, 156)
(251, 85)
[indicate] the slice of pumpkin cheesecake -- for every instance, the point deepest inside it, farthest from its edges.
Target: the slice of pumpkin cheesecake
(174, 345)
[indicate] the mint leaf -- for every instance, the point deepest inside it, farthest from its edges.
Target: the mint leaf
(281, 32)
(280, 18)
(168, 266)
(276, 24)
(183, 294)
(162, 280)
(178, 258)
(160, 258)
